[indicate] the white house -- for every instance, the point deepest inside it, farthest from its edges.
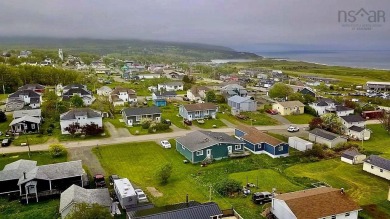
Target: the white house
(171, 86)
(80, 90)
(322, 202)
(299, 143)
(354, 127)
(378, 166)
(352, 156)
(197, 93)
(326, 105)
(82, 116)
(104, 91)
(76, 195)
(119, 96)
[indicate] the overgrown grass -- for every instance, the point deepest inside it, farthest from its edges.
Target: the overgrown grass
(299, 119)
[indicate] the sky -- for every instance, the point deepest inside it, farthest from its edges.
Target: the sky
(240, 24)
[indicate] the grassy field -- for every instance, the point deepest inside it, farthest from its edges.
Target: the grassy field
(255, 118)
(209, 124)
(299, 119)
(3, 97)
(31, 139)
(171, 112)
(44, 209)
(379, 142)
(4, 126)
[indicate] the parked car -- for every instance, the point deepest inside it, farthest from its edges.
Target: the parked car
(292, 128)
(187, 122)
(6, 142)
(141, 195)
(261, 197)
(165, 144)
(99, 181)
(272, 112)
(112, 178)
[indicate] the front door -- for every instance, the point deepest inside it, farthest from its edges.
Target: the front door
(230, 149)
(208, 152)
(190, 117)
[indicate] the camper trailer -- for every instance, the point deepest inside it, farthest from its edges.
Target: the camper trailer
(125, 193)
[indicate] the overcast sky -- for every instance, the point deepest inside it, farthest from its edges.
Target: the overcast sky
(234, 23)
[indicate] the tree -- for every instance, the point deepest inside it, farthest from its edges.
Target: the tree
(385, 121)
(296, 96)
(92, 129)
(77, 101)
(3, 117)
(73, 128)
(186, 79)
(308, 99)
(164, 173)
(310, 110)
(280, 90)
(332, 122)
(227, 187)
(316, 122)
(210, 96)
(57, 150)
(350, 104)
(87, 211)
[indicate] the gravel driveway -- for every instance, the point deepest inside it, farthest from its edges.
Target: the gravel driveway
(116, 132)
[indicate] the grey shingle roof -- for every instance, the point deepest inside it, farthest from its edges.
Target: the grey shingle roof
(342, 108)
(350, 154)
(239, 99)
(71, 114)
(165, 93)
(182, 211)
(29, 93)
(72, 91)
(77, 194)
(322, 103)
(142, 111)
(324, 134)
(173, 83)
(35, 100)
(26, 118)
(200, 106)
(15, 169)
(198, 140)
(352, 118)
(54, 171)
(33, 113)
(378, 161)
(356, 128)
(67, 87)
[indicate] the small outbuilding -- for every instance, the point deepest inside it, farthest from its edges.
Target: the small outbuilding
(352, 156)
(324, 137)
(300, 144)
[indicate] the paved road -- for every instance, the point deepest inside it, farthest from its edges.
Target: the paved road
(139, 138)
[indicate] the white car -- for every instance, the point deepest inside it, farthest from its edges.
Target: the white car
(141, 195)
(292, 128)
(165, 144)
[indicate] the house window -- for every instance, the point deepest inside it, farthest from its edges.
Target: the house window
(33, 126)
(280, 148)
(381, 170)
(138, 118)
(199, 153)
(372, 167)
(237, 147)
(347, 214)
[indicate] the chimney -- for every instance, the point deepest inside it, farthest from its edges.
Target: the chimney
(24, 175)
(187, 200)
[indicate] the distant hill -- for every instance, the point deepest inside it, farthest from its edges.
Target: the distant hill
(174, 50)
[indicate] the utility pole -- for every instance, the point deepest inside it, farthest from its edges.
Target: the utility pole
(29, 150)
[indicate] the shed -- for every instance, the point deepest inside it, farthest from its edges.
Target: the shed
(324, 137)
(352, 156)
(300, 144)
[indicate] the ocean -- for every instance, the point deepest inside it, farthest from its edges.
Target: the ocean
(349, 58)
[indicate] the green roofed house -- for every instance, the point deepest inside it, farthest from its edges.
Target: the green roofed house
(199, 146)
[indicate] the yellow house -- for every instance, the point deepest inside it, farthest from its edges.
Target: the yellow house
(289, 107)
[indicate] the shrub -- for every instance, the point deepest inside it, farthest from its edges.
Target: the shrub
(164, 173)
(145, 123)
(227, 187)
(158, 127)
(57, 150)
(345, 146)
(309, 110)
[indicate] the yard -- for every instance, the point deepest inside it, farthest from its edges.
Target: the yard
(379, 142)
(254, 118)
(4, 126)
(299, 119)
(171, 112)
(209, 123)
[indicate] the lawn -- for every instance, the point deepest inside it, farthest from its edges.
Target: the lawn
(299, 119)
(379, 142)
(3, 97)
(171, 112)
(209, 124)
(43, 209)
(31, 139)
(138, 130)
(255, 118)
(4, 126)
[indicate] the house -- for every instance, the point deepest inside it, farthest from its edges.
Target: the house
(378, 166)
(29, 97)
(354, 127)
(160, 98)
(14, 104)
(51, 178)
(352, 156)
(340, 110)
(289, 107)
(81, 116)
(378, 86)
(198, 146)
(299, 143)
(34, 87)
(259, 142)
(231, 90)
(321, 202)
(104, 91)
(132, 116)
(198, 111)
(326, 105)
(76, 195)
(197, 93)
(171, 86)
(102, 70)
(11, 173)
(26, 121)
(324, 137)
(307, 91)
(71, 86)
(243, 104)
(187, 210)
(80, 90)
(119, 96)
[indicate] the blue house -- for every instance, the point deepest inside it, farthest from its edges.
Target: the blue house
(204, 145)
(198, 111)
(261, 143)
(160, 98)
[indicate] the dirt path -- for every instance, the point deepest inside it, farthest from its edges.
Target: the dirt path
(116, 132)
(88, 157)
